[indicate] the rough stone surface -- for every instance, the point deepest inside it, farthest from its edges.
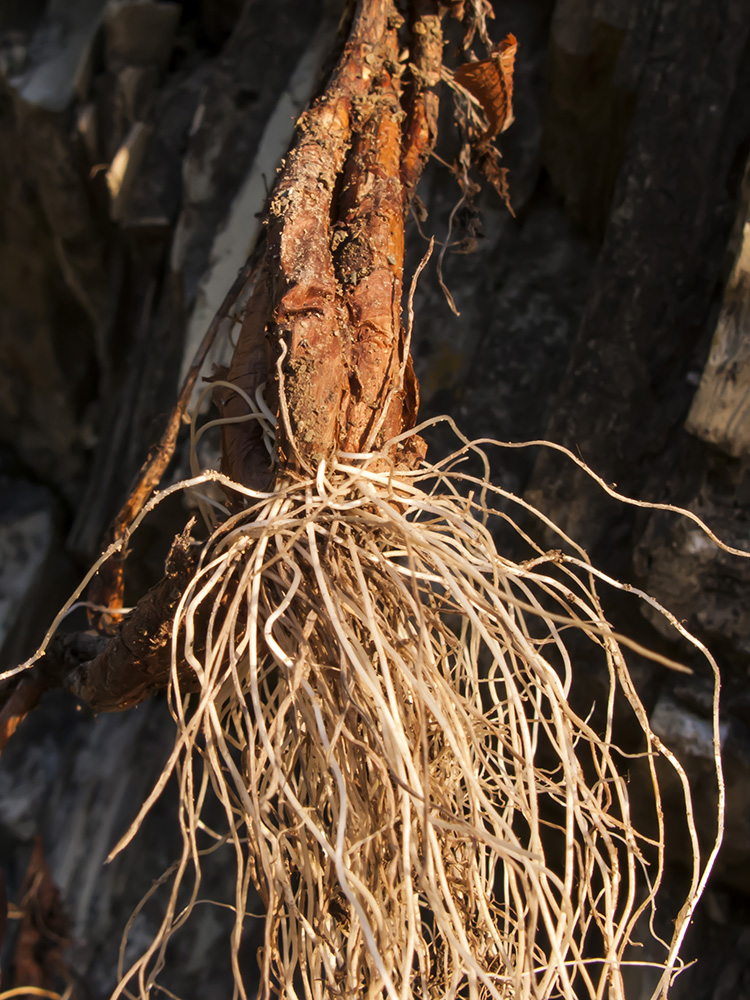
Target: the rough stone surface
(624, 395)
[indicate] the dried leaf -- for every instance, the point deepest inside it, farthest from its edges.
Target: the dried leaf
(490, 81)
(43, 933)
(489, 167)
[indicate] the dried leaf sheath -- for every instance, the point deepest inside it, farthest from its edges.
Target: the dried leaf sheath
(491, 82)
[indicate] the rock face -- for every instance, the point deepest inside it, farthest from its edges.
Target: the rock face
(643, 330)
(136, 142)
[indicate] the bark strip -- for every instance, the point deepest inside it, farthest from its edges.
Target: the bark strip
(421, 129)
(370, 265)
(308, 311)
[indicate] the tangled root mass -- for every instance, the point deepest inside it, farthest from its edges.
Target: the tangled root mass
(384, 713)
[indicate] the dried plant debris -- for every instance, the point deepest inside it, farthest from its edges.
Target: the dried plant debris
(43, 934)
(490, 81)
(483, 91)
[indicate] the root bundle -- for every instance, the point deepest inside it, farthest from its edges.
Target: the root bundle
(385, 716)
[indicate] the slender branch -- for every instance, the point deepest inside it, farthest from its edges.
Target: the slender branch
(136, 661)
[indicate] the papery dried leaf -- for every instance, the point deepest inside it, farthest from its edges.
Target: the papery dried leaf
(490, 81)
(489, 166)
(43, 934)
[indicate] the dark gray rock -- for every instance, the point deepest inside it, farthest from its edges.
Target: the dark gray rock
(624, 396)
(139, 33)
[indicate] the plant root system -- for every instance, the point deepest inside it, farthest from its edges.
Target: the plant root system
(384, 711)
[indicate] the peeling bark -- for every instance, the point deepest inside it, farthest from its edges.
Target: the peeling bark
(307, 306)
(331, 302)
(421, 129)
(137, 661)
(371, 264)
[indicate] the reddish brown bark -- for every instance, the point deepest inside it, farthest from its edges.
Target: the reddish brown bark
(136, 662)
(334, 259)
(420, 132)
(24, 696)
(309, 315)
(370, 265)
